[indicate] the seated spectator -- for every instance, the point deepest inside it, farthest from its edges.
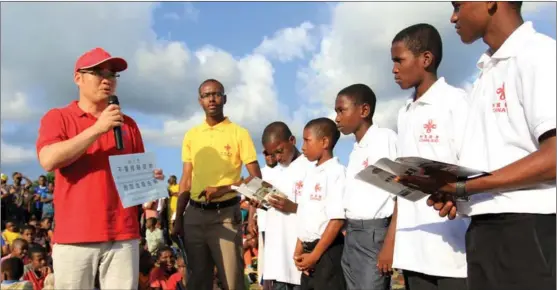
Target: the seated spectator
(5, 247)
(19, 250)
(11, 233)
(178, 280)
(12, 271)
(160, 275)
(145, 267)
(33, 221)
(41, 237)
(37, 270)
(250, 251)
(153, 236)
(28, 233)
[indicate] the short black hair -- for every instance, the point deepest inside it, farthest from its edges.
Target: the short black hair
(164, 249)
(324, 127)
(276, 131)
(154, 220)
(28, 227)
(420, 38)
(19, 242)
(36, 249)
(210, 81)
(13, 267)
(361, 94)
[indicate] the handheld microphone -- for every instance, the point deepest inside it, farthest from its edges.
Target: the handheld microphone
(113, 100)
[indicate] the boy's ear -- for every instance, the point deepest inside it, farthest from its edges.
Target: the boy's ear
(365, 111)
(326, 143)
(427, 60)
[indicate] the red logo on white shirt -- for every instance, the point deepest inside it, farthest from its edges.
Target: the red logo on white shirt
(429, 135)
(298, 187)
(500, 106)
(365, 163)
(317, 194)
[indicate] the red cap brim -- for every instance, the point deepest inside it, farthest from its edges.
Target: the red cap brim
(117, 64)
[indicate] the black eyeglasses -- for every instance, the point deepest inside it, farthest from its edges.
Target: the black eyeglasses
(212, 94)
(101, 73)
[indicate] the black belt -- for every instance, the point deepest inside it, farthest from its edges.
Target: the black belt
(309, 246)
(215, 205)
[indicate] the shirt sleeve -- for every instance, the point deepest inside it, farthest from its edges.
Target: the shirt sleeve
(51, 129)
(186, 148)
(538, 95)
(138, 146)
(459, 117)
(393, 152)
(247, 148)
(335, 193)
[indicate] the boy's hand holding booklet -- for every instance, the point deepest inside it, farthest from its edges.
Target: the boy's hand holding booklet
(259, 190)
(385, 174)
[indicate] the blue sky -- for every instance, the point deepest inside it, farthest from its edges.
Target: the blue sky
(313, 50)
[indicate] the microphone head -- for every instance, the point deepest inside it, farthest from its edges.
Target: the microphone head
(113, 100)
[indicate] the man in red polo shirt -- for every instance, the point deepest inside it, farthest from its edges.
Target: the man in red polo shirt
(93, 233)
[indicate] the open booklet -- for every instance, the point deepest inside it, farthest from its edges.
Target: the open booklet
(384, 172)
(259, 190)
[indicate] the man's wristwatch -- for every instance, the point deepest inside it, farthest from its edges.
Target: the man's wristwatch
(461, 194)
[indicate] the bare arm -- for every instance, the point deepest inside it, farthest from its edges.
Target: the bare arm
(28, 182)
(328, 236)
(254, 171)
(64, 153)
(184, 191)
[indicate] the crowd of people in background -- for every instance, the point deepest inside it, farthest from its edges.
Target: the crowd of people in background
(27, 229)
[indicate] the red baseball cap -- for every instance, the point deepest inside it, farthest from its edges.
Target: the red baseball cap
(98, 56)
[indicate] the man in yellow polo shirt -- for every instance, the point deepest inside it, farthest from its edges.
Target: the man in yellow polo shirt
(213, 154)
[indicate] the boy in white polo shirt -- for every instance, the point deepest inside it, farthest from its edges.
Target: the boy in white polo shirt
(320, 211)
(368, 209)
(430, 249)
(510, 243)
(280, 232)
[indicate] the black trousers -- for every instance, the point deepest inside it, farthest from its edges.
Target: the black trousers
(511, 251)
(327, 273)
(420, 281)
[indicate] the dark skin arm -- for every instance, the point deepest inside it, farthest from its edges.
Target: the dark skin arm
(306, 262)
(183, 198)
(538, 167)
(385, 258)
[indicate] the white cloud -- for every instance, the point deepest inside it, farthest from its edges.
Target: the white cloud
(289, 43)
(10, 154)
(163, 76)
(356, 49)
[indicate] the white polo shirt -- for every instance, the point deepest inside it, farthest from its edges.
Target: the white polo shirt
(363, 201)
(431, 127)
(512, 105)
(321, 199)
(267, 174)
(281, 233)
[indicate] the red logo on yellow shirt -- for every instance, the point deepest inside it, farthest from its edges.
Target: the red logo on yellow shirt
(227, 148)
